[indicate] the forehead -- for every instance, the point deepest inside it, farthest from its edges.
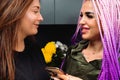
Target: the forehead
(35, 3)
(87, 6)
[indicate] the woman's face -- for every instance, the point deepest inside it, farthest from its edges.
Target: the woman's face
(30, 22)
(89, 26)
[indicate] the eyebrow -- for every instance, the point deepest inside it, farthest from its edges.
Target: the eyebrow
(89, 13)
(38, 7)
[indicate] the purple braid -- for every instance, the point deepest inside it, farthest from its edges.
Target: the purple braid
(108, 15)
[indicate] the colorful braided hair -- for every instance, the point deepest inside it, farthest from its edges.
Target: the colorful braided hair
(108, 15)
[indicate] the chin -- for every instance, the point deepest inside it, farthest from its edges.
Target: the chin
(85, 37)
(34, 33)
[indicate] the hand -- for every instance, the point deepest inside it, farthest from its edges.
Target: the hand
(58, 74)
(53, 71)
(65, 77)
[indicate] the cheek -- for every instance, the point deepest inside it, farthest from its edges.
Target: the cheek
(26, 23)
(94, 24)
(94, 27)
(29, 19)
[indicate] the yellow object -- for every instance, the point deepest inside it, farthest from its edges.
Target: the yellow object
(48, 51)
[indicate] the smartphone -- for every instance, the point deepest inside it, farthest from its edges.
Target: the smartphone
(53, 71)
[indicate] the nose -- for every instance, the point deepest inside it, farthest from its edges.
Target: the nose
(40, 18)
(82, 21)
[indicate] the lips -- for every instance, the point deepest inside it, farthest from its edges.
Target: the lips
(37, 25)
(84, 30)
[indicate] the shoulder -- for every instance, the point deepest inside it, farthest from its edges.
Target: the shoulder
(79, 46)
(74, 52)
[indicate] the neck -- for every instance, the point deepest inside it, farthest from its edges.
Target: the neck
(20, 46)
(20, 42)
(95, 46)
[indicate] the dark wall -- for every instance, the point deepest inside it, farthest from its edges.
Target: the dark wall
(60, 11)
(54, 32)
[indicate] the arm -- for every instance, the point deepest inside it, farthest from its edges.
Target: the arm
(58, 74)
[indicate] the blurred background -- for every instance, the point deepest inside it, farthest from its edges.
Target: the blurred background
(60, 20)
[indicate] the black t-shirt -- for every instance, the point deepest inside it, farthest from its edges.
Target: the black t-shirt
(30, 64)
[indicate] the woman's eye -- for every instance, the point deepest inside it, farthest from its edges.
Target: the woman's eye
(81, 15)
(36, 11)
(90, 16)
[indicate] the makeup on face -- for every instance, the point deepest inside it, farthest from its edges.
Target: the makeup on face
(89, 15)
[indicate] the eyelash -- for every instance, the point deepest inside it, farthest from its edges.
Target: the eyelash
(89, 16)
(36, 11)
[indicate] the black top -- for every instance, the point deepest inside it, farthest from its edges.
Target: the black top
(30, 64)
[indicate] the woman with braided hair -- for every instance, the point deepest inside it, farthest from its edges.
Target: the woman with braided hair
(97, 55)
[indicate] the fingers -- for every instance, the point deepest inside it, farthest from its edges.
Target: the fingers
(54, 70)
(68, 77)
(55, 78)
(63, 77)
(60, 77)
